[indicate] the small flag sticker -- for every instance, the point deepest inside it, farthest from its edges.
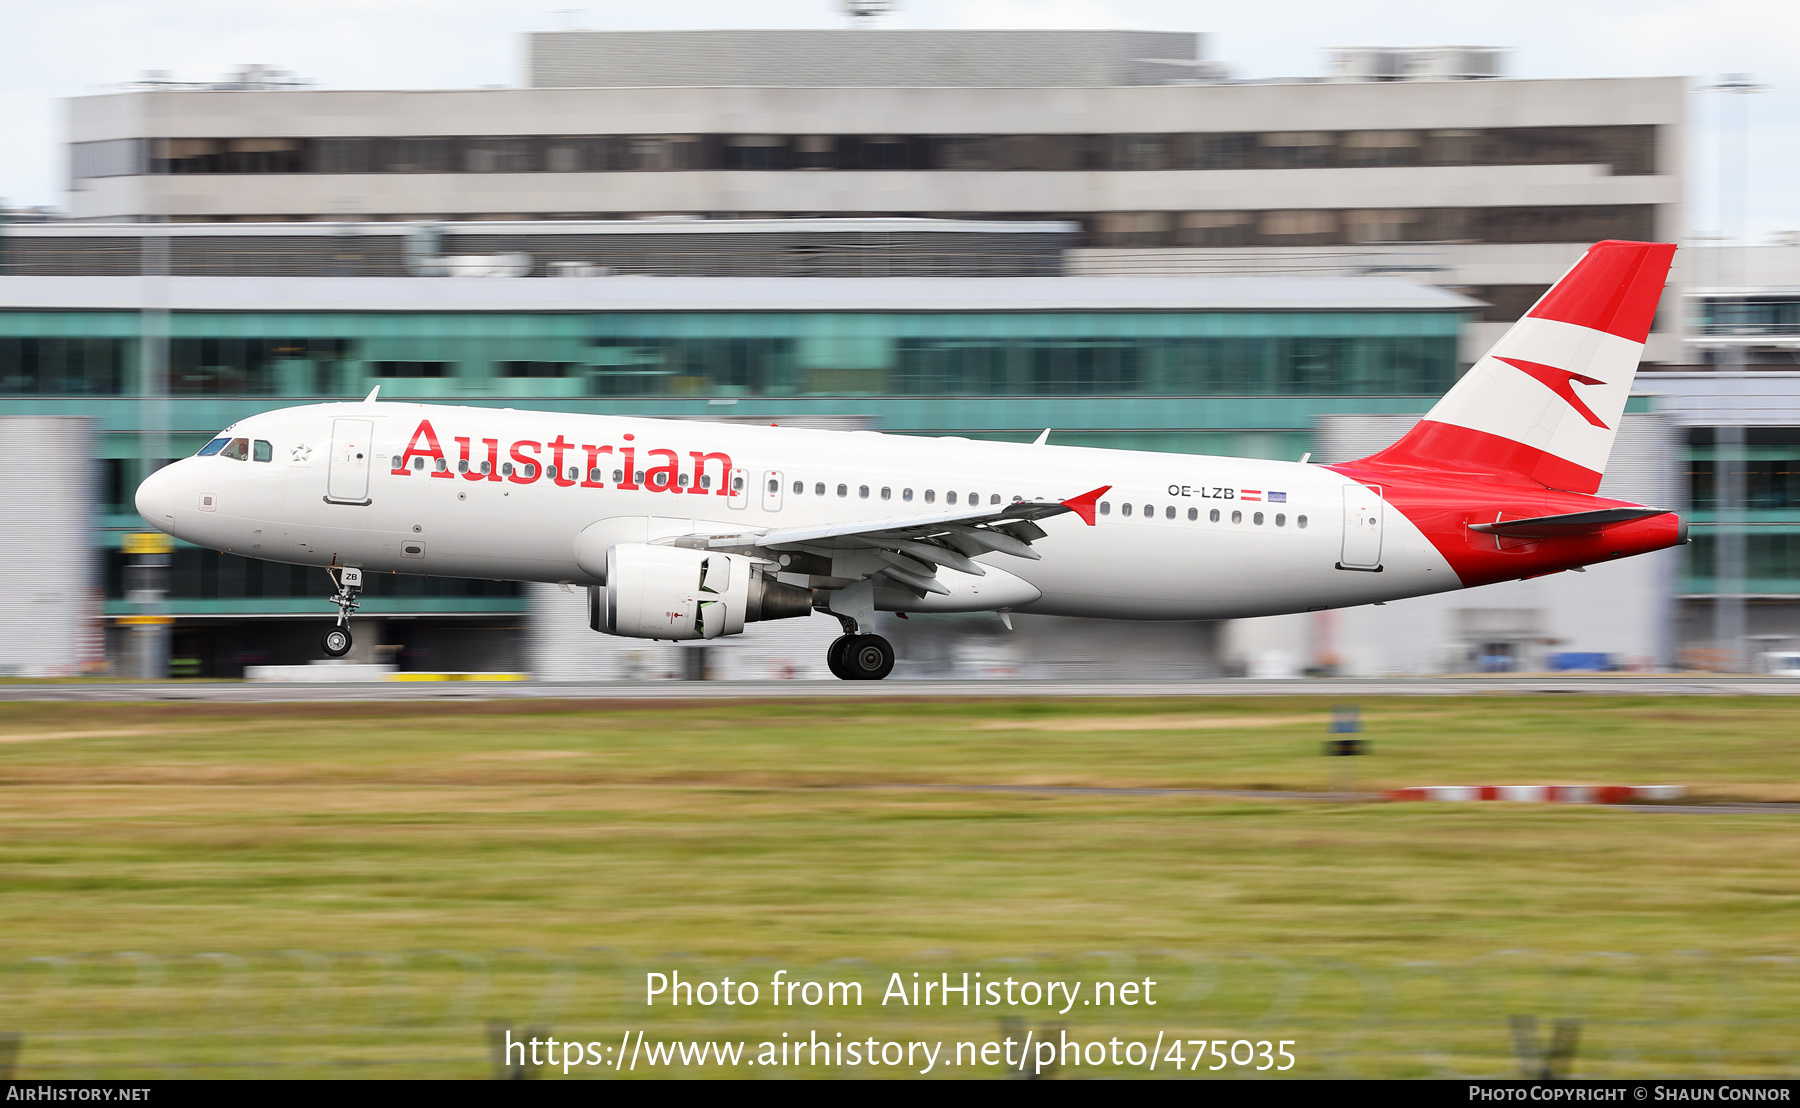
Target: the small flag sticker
(1278, 498)
(1249, 494)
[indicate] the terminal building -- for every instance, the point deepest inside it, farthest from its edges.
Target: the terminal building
(943, 233)
(1416, 162)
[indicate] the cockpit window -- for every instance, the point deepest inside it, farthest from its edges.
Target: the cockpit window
(212, 448)
(237, 450)
(264, 451)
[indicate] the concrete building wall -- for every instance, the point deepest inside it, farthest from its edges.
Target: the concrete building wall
(848, 58)
(49, 598)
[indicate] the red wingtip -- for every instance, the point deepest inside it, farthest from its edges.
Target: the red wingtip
(1083, 505)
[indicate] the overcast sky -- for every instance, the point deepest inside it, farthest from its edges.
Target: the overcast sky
(50, 50)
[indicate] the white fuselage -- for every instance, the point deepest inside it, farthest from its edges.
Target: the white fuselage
(316, 503)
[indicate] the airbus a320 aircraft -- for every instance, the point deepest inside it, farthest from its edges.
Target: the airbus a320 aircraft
(686, 530)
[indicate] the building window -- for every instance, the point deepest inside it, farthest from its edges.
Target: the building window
(1626, 150)
(412, 370)
(537, 369)
(62, 366)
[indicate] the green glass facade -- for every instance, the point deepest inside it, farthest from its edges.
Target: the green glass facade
(430, 355)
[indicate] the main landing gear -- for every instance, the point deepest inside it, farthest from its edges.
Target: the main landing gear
(336, 641)
(857, 655)
(860, 657)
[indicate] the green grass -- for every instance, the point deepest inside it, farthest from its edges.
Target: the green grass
(448, 864)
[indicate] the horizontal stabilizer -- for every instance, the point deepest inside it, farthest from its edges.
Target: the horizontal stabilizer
(1573, 523)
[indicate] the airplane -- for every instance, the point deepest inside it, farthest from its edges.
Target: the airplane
(691, 531)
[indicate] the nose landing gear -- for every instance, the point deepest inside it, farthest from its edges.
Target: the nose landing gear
(336, 641)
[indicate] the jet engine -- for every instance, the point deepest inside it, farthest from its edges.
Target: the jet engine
(675, 592)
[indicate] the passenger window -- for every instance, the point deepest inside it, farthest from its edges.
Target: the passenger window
(264, 451)
(237, 450)
(1106, 507)
(930, 496)
(1149, 511)
(799, 488)
(462, 466)
(1237, 517)
(1212, 516)
(442, 466)
(681, 480)
(1125, 509)
(1169, 512)
(843, 490)
(506, 469)
(1300, 522)
(994, 499)
(819, 488)
(1280, 520)
(212, 448)
(1257, 519)
(774, 485)
(418, 463)
(594, 475)
(887, 493)
(1193, 514)
(862, 492)
(949, 497)
(906, 494)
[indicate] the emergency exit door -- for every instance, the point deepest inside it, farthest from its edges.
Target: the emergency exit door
(347, 481)
(1362, 528)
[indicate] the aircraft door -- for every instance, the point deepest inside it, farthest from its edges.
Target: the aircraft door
(740, 488)
(351, 455)
(1362, 528)
(771, 491)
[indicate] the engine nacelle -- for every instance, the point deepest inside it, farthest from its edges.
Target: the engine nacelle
(675, 592)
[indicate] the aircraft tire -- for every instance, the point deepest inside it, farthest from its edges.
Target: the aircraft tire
(834, 657)
(868, 658)
(335, 642)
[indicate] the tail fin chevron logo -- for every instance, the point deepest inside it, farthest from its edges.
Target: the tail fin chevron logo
(1588, 330)
(1561, 382)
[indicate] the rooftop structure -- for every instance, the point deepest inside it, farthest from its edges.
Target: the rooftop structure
(864, 59)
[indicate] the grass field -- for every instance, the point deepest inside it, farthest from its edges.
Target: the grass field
(363, 888)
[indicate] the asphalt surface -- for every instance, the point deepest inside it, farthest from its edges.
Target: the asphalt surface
(275, 692)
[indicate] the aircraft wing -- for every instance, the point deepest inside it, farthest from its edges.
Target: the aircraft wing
(1573, 523)
(909, 549)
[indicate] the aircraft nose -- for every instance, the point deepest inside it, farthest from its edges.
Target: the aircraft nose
(157, 496)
